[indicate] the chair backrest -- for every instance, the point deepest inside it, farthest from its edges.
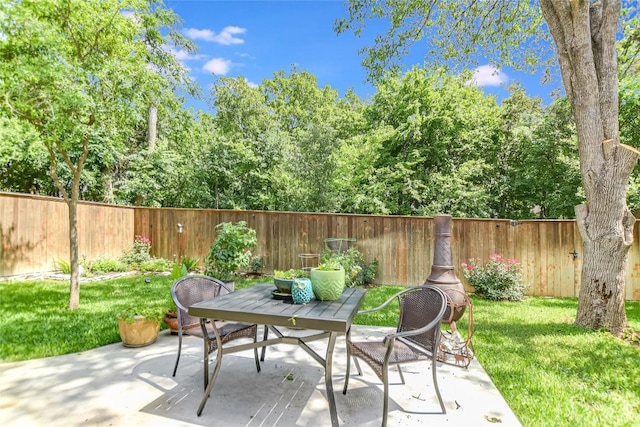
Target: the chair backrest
(420, 306)
(189, 290)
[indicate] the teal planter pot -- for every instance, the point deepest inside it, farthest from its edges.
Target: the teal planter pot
(327, 285)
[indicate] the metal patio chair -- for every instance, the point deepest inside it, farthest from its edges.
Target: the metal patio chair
(189, 290)
(416, 338)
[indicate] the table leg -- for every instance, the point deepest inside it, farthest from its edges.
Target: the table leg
(219, 352)
(328, 379)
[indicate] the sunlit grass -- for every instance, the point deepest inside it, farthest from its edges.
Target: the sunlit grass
(36, 322)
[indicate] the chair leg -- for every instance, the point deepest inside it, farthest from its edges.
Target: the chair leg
(400, 372)
(175, 368)
(206, 364)
(346, 378)
(264, 338)
(435, 385)
(255, 350)
(385, 381)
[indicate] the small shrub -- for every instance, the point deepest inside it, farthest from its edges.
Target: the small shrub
(231, 250)
(256, 264)
(190, 263)
(105, 265)
(497, 279)
(62, 265)
(138, 253)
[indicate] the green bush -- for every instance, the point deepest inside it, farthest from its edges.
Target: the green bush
(105, 265)
(231, 250)
(497, 279)
(256, 264)
(138, 253)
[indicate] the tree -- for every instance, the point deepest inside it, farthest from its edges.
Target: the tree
(584, 33)
(79, 72)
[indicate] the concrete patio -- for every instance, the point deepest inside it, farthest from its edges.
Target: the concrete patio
(118, 386)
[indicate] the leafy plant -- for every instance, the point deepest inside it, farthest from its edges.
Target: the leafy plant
(138, 253)
(357, 271)
(155, 265)
(62, 265)
(330, 263)
(496, 279)
(190, 263)
(290, 274)
(150, 312)
(231, 250)
(256, 264)
(105, 265)
(179, 270)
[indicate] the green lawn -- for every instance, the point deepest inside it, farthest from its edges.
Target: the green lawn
(551, 372)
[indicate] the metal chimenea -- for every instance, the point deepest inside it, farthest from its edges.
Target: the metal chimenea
(442, 274)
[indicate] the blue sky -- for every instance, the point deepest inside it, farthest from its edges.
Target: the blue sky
(255, 39)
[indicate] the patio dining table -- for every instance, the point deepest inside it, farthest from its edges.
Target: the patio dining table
(257, 304)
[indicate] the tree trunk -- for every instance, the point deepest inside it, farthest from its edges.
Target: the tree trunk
(584, 34)
(152, 127)
(74, 284)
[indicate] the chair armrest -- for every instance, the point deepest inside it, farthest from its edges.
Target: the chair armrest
(384, 304)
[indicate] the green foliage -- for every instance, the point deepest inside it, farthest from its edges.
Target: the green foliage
(62, 265)
(357, 271)
(256, 264)
(157, 265)
(129, 313)
(105, 265)
(138, 253)
(290, 274)
(190, 263)
(454, 33)
(231, 250)
(178, 271)
(496, 279)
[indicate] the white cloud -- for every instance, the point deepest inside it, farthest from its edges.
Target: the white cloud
(488, 75)
(252, 84)
(225, 37)
(217, 66)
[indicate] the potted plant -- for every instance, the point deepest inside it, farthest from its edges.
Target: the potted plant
(139, 325)
(231, 250)
(328, 279)
(284, 280)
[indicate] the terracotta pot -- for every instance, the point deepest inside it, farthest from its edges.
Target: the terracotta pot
(171, 320)
(140, 333)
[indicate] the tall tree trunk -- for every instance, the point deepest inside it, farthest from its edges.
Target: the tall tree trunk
(152, 127)
(584, 34)
(74, 283)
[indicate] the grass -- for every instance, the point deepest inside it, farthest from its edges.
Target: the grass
(37, 323)
(551, 372)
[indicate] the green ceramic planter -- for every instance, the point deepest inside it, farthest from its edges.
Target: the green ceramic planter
(327, 285)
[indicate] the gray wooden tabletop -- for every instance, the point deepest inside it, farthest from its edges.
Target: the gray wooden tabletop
(256, 304)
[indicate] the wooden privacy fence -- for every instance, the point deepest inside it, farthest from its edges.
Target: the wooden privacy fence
(34, 233)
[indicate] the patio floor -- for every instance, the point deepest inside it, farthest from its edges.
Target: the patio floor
(118, 386)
